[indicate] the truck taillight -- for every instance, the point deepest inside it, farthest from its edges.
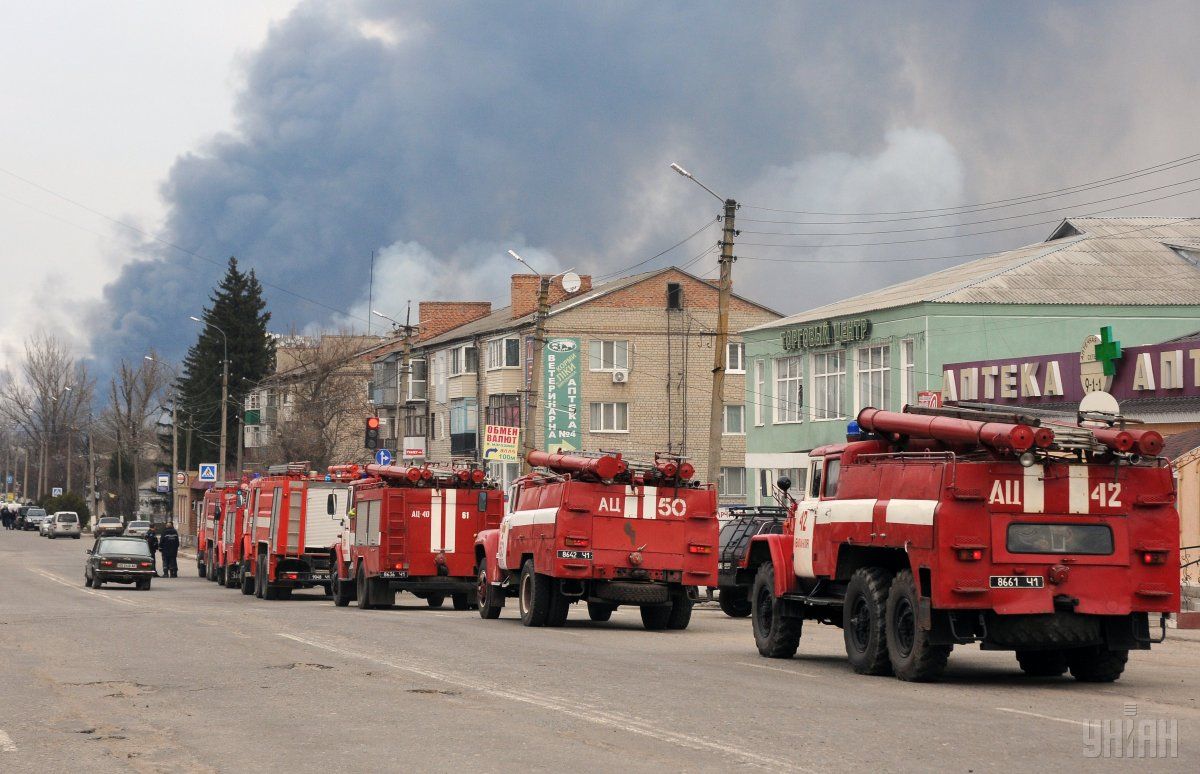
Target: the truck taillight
(576, 542)
(1154, 557)
(970, 554)
(699, 549)
(291, 575)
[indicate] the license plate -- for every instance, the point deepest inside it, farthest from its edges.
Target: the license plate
(1017, 582)
(321, 575)
(393, 574)
(124, 566)
(586, 555)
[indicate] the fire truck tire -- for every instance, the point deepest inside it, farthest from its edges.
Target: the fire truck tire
(1097, 664)
(223, 575)
(776, 635)
(912, 656)
(533, 596)
(435, 600)
(600, 612)
(461, 601)
(362, 590)
(201, 570)
(260, 582)
(865, 615)
(560, 606)
(1042, 663)
(681, 611)
(247, 583)
(655, 617)
(211, 573)
(488, 597)
(343, 592)
(734, 601)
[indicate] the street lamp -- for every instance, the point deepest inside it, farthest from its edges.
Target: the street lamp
(224, 393)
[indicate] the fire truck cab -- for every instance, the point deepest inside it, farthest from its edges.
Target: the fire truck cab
(600, 530)
(297, 518)
(941, 527)
(412, 529)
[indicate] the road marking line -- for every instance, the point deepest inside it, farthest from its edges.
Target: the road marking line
(70, 585)
(6, 743)
(577, 710)
(774, 669)
(1043, 717)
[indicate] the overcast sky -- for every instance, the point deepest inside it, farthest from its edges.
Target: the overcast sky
(301, 137)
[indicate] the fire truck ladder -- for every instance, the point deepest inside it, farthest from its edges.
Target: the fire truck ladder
(1067, 437)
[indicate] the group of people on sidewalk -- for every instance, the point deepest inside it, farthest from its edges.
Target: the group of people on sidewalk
(8, 516)
(165, 542)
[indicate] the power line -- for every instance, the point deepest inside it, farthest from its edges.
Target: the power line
(686, 239)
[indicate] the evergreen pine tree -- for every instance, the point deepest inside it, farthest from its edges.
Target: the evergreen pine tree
(239, 310)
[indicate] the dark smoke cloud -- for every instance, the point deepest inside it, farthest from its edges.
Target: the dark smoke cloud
(449, 131)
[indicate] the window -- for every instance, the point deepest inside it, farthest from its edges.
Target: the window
(759, 397)
(464, 426)
(417, 377)
(674, 296)
(440, 367)
(764, 484)
(789, 389)
(874, 377)
(908, 373)
(253, 401)
(464, 360)
(1093, 539)
(833, 472)
(732, 482)
(435, 422)
(504, 353)
(735, 420)
(504, 410)
(735, 357)
(609, 356)
(610, 417)
(828, 372)
(815, 484)
(504, 473)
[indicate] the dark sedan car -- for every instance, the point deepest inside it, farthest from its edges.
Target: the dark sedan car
(119, 560)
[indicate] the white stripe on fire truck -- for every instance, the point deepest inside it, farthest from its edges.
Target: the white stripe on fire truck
(835, 511)
(911, 511)
(1035, 490)
(531, 516)
(1077, 493)
(450, 519)
(435, 520)
(649, 502)
(631, 503)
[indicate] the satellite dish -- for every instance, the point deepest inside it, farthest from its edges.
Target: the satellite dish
(1099, 402)
(571, 282)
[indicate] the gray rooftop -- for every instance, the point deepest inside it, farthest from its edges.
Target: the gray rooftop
(1116, 261)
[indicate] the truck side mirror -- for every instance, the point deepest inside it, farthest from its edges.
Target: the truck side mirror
(331, 505)
(784, 483)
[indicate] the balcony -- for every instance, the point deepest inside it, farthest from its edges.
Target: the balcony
(463, 444)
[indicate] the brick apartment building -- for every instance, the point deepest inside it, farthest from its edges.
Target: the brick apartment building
(639, 349)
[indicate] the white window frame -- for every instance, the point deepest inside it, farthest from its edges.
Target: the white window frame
(908, 372)
(819, 378)
(458, 361)
(883, 373)
(723, 483)
(740, 408)
(760, 391)
(780, 404)
(735, 352)
(597, 364)
(497, 353)
(600, 405)
(411, 381)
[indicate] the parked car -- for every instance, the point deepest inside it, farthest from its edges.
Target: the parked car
(44, 525)
(64, 524)
(733, 582)
(31, 517)
(109, 526)
(119, 560)
(137, 528)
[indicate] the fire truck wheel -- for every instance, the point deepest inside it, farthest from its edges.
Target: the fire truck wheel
(734, 601)
(223, 575)
(655, 617)
(1042, 663)
(600, 612)
(864, 614)
(247, 583)
(461, 601)
(362, 589)
(342, 592)
(560, 606)
(681, 610)
(260, 582)
(912, 656)
(201, 570)
(435, 600)
(1097, 664)
(776, 635)
(534, 596)
(488, 598)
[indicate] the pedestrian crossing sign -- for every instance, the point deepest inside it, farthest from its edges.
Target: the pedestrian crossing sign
(208, 471)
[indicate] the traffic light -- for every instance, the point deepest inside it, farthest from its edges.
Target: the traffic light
(371, 437)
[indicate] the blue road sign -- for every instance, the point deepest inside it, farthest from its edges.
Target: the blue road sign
(383, 457)
(208, 471)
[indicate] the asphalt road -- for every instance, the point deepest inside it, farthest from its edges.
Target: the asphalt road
(193, 677)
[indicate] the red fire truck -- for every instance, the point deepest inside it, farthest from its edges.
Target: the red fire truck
(230, 546)
(939, 527)
(413, 529)
(208, 517)
(296, 521)
(605, 531)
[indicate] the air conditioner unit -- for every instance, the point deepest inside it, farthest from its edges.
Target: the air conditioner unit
(620, 377)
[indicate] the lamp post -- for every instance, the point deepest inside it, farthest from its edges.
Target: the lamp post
(724, 287)
(224, 394)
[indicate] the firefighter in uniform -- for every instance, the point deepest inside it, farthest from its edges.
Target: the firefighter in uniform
(152, 539)
(168, 544)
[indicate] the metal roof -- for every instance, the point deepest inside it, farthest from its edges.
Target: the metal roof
(1114, 261)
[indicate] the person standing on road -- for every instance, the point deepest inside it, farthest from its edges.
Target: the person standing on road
(152, 539)
(169, 545)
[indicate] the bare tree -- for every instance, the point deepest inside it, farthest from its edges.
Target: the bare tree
(134, 403)
(49, 401)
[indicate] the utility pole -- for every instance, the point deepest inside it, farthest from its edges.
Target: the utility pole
(224, 417)
(539, 341)
(70, 436)
(174, 452)
(716, 414)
